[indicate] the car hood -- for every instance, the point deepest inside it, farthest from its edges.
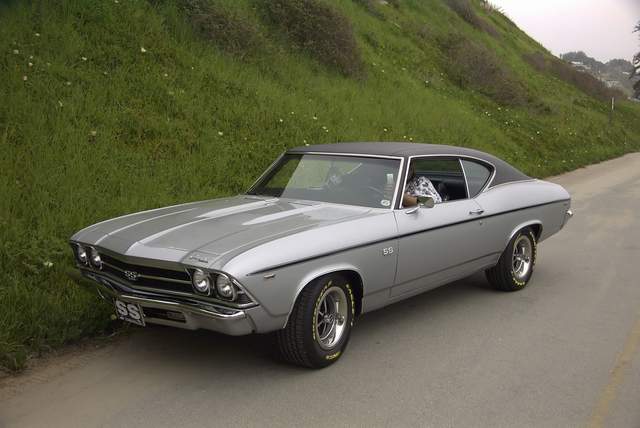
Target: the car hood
(211, 228)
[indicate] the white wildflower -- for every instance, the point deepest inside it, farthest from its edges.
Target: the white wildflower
(384, 129)
(30, 56)
(220, 133)
(280, 120)
(16, 51)
(142, 49)
(84, 58)
(68, 83)
(60, 103)
(30, 64)
(166, 75)
(315, 117)
(37, 34)
(24, 78)
(93, 133)
(48, 264)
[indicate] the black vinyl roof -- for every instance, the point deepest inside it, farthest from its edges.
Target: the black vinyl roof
(505, 173)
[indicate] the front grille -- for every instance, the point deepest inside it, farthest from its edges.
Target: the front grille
(160, 279)
(147, 270)
(163, 279)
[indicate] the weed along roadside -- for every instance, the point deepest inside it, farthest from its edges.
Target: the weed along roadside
(115, 107)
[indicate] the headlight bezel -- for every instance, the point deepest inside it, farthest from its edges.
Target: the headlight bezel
(94, 258)
(204, 276)
(220, 277)
(81, 254)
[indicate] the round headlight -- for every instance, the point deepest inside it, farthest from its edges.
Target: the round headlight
(201, 281)
(81, 254)
(225, 288)
(96, 261)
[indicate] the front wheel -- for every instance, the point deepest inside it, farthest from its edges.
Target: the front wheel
(515, 267)
(320, 324)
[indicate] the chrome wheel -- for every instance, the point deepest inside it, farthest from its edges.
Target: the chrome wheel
(522, 260)
(331, 317)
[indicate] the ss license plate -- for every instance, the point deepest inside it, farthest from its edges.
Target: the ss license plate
(129, 312)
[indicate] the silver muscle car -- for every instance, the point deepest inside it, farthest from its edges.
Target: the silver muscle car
(326, 234)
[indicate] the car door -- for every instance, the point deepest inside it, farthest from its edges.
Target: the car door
(440, 244)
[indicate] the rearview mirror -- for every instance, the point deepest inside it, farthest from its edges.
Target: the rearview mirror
(426, 201)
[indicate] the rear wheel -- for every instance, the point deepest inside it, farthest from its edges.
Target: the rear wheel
(320, 324)
(515, 267)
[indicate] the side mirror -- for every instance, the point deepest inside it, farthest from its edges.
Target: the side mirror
(426, 201)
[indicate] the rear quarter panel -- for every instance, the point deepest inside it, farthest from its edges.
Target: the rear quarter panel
(510, 207)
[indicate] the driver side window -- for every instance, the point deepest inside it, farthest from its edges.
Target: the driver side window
(444, 173)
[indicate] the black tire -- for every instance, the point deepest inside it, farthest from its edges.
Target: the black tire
(298, 343)
(504, 275)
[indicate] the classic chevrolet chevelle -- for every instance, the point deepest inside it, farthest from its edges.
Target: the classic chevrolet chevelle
(321, 238)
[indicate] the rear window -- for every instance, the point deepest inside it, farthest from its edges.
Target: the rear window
(477, 175)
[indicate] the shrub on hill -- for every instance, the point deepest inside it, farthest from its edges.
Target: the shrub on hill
(319, 29)
(464, 9)
(563, 71)
(471, 65)
(230, 33)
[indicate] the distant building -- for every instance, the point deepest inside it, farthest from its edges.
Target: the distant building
(580, 66)
(613, 84)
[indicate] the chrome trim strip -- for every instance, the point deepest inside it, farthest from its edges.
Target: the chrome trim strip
(464, 174)
(266, 171)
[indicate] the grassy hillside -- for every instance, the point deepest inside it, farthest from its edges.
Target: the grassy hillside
(114, 106)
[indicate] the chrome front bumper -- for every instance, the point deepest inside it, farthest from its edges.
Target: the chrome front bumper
(184, 313)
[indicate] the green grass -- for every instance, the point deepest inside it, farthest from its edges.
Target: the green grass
(100, 128)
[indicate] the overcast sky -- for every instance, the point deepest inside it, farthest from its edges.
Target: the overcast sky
(601, 28)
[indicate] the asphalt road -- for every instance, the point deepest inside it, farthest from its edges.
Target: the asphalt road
(564, 352)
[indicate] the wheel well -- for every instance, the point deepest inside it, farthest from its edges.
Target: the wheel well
(537, 230)
(358, 290)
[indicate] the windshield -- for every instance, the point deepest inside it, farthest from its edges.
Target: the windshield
(363, 181)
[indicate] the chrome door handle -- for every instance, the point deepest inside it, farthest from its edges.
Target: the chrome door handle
(476, 212)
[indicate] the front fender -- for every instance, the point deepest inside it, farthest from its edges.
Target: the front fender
(317, 273)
